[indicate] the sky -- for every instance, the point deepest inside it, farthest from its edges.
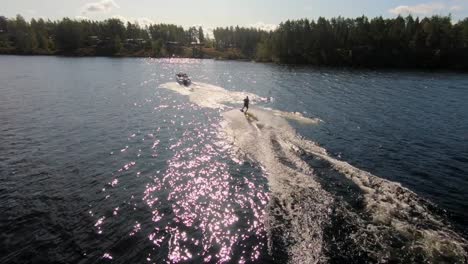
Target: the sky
(265, 14)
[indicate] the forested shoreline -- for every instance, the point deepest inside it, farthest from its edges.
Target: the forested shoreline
(401, 42)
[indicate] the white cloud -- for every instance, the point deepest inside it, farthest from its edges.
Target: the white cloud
(264, 26)
(421, 9)
(206, 30)
(101, 6)
(456, 8)
(121, 18)
(209, 30)
(82, 18)
(142, 21)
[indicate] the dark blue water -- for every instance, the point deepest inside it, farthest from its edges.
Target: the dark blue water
(98, 163)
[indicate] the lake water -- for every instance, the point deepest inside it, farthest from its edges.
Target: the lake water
(108, 160)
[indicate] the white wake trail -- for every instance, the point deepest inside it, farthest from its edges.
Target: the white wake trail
(298, 208)
(322, 209)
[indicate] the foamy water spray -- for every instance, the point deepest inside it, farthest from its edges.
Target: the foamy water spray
(298, 207)
(322, 209)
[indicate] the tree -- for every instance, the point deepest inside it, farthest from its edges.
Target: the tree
(40, 32)
(3, 24)
(192, 35)
(396, 42)
(157, 47)
(68, 37)
(116, 46)
(4, 41)
(201, 37)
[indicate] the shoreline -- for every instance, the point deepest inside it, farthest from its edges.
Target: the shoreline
(299, 65)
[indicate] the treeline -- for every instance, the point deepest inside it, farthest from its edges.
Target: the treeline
(84, 37)
(244, 39)
(433, 42)
(400, 42)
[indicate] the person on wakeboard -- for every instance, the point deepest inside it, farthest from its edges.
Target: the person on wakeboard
(246, 105)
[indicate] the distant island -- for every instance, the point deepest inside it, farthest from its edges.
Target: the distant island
(430, 43)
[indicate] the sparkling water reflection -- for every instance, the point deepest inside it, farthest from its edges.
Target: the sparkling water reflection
(100, 165)
(205, 207)
(207, 202)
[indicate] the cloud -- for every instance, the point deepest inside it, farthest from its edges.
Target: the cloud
(101, 6)
(142, 21)
(456, 8)
(421, 9)
(82, 18)
(264, 26)
(206, 30)
(121, 18)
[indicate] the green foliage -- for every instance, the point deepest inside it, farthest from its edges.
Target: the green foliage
(157, 48)
(68, 35)
(191, 35)
(116, 46)
(430, 42)
(400, 42)
(201, 37)
(264, 49)
(21, 35)
(167, 32)
(4, 35)
(245, 39)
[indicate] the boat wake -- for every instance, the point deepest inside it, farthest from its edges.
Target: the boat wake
(322, 209)
(215, 97)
